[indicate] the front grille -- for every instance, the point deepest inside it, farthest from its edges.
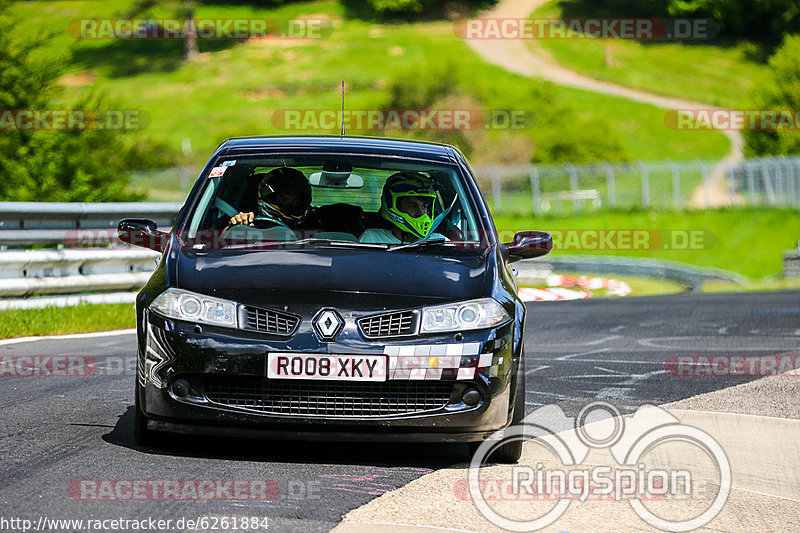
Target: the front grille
(389, 325)
(328, 398)
(269, 321)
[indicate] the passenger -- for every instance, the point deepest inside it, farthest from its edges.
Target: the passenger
(407, 203)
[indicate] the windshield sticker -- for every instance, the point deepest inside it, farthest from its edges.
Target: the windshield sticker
(217, 171)
(228, 163)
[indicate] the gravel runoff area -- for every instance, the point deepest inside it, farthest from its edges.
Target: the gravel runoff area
(756, 423)
(774, 396)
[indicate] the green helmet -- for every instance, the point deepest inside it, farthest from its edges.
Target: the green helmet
(414, 185)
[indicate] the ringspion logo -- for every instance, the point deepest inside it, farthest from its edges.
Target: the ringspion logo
(634, 477)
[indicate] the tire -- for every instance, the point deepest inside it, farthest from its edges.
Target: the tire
(510, 452)
(142, 435)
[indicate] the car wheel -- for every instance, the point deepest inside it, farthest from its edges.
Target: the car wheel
(509, 453)
(142, 435)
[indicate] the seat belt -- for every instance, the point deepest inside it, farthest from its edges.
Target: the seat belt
(225, 207)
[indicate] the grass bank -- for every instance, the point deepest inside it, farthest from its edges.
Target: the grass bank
(234, 88)
(63, 320)
(703, 71)
(749, 242)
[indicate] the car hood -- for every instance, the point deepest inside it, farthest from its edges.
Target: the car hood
(261, 276)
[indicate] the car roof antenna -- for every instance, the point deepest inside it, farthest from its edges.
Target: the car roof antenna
(342, 108)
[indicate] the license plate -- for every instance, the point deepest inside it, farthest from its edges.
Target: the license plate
(327, 366)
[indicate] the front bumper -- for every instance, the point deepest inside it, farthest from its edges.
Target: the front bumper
(226, 370)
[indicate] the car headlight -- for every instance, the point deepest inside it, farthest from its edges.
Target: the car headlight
(474, 314)
(185, 305)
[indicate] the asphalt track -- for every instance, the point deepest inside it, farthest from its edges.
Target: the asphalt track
(57, 431)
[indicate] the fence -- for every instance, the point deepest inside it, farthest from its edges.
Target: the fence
(565, 188)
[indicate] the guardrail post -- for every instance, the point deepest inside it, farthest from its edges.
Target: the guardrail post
(751, 182)
(767, 182)
(611, 186)
(676, 184)
(779, 181)
(536, 190)
(573, 184)
(706, 184)
(797, 180)
(732, 183)
(497, 190)
(645, 184)
(788, 180)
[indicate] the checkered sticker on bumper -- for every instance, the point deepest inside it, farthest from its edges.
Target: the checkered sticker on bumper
(436, 361)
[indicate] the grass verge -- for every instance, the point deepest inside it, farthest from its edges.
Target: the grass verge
(704, 72)
(758, 285)
(63, 320)
(749, 242)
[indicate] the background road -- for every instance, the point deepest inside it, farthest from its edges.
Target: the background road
(60, 429)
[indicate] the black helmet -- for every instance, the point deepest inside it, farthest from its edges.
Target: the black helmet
(284, 195)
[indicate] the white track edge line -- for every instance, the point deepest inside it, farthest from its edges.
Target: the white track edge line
(69, 336)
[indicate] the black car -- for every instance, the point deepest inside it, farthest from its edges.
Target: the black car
(309, 329)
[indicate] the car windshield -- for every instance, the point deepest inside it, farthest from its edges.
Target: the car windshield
(333, 201)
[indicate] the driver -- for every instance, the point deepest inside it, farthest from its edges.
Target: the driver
(407, 203)
(284, 199)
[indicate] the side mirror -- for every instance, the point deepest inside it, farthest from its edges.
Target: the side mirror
(141, 232)
(529, 244)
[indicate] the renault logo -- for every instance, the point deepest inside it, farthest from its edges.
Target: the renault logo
(328, 324)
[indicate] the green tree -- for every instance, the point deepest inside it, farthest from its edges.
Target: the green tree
(766, 20)
(183, 9)
(59, 165)
(781, 93)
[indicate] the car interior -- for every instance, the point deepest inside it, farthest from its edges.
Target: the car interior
(345, 201)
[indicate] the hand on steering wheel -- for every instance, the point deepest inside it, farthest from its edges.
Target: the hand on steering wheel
(242, 219)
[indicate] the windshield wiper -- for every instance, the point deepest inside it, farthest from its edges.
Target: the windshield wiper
(333, 242)
(311, 241)
(422, 243)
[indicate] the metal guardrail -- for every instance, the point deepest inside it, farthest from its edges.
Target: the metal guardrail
(54, 223)
(108, 265)
(68, 271)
